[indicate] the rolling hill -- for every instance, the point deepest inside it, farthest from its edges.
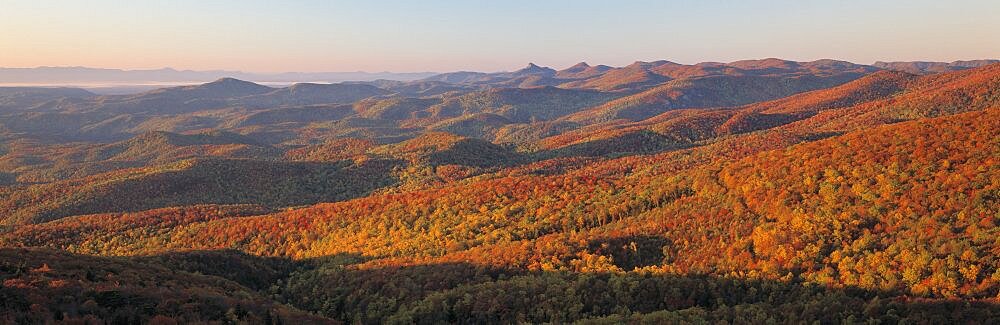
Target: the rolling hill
(705, 92)
(196, 181)
(309, 94)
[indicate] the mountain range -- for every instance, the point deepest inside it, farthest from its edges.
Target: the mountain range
(85, 75)
(103, 76)
(752, 191)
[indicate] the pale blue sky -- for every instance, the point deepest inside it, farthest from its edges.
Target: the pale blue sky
(402, 36)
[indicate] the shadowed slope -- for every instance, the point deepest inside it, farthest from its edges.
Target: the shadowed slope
(46, 286)
(196, 181)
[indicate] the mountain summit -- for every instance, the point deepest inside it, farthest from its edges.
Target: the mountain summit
(581, 65)
(233, 85)
(533, 69)
(582, 70)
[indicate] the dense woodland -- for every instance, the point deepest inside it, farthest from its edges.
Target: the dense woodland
(763, 191)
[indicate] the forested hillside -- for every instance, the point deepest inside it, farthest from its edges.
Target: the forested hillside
(761, 191)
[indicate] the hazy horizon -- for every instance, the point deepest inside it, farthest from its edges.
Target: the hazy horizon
(483, 71)
(443, 36)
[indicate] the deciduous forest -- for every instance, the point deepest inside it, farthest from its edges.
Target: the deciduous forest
(758, 191)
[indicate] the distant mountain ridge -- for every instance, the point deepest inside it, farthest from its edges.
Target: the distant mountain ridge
(641, 75)
(925, 67)
(531, 75)
(84, 75)
(395, 110)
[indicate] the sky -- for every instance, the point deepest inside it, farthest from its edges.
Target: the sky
(441, 36)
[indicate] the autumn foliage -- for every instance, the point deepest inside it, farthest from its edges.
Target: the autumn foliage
(872, 198)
